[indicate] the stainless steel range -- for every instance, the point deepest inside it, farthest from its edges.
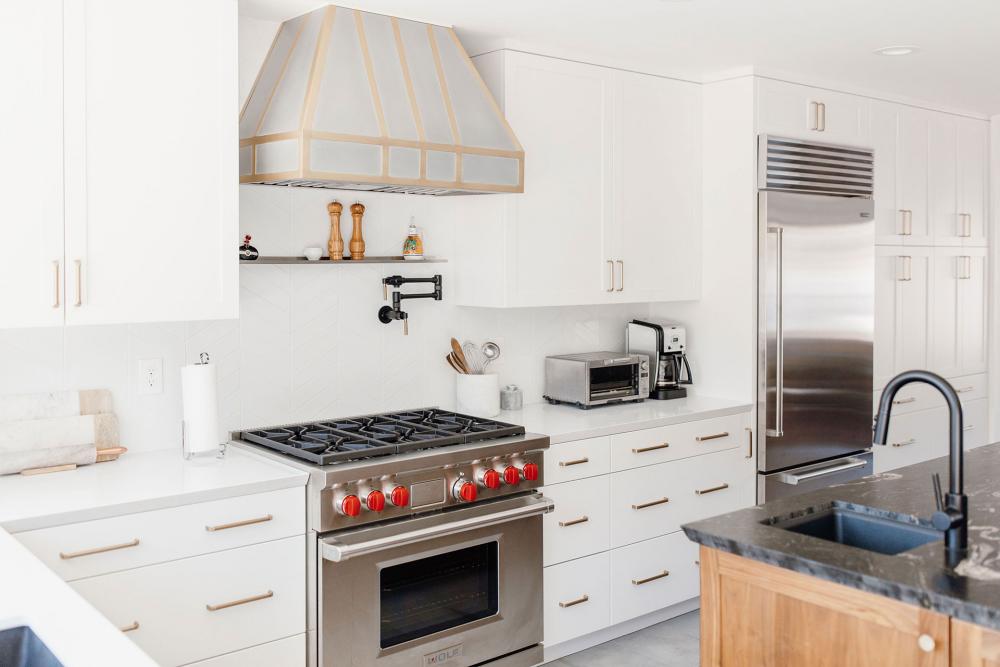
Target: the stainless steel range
(425, 540)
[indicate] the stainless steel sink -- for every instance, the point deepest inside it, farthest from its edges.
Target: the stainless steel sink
(859, 529)
(20, 647)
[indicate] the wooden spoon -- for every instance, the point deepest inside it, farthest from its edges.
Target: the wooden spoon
(456, 349)
(453, 364)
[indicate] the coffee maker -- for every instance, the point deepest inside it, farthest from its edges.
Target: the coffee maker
(665, 344)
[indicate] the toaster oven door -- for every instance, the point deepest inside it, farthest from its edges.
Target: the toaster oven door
(613, 381)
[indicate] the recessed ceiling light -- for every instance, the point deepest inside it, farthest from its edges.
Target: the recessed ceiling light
(896, 50)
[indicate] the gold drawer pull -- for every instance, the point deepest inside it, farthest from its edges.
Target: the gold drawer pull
(963, 390)
(573, 603)
(905, 443)
(237, 524)
(235, 603)
(566, 524)
(129, 628)
(714, 436)
(574, 462)
(661, 575)
(702, 492)
(642, 450)
(651, 503)
(98, 550)
(968, 427)
(901, 401)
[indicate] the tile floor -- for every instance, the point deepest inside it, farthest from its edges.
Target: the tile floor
(673, 643)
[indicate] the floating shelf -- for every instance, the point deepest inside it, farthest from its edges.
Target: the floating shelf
(398, 259)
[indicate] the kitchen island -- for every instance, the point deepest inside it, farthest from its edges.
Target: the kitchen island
(773, 596)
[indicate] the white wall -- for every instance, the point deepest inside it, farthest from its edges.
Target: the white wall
(994, 303)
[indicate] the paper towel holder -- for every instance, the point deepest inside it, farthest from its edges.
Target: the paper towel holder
(203, 358)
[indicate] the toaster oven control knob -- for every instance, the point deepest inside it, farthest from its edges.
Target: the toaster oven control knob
(490, 479)
(350, 506)
(530, 471)
(512, 476)
(375, 501)
(400, 496)
(464, 491)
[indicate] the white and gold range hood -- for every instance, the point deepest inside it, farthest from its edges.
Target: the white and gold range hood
(355, 100)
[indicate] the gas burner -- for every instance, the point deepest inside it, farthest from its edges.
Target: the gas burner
(357, 438)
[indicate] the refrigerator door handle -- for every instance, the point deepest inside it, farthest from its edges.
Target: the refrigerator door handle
(779, 342)
(794, 480)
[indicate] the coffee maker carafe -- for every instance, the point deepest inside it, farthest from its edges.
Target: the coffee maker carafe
(665, 344)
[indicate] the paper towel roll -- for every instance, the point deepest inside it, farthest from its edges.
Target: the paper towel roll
(201, 408)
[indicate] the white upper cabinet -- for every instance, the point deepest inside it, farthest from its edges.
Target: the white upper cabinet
(31, 253)
(902, 309)
(973, 189)
(958, 320)
(791, 110)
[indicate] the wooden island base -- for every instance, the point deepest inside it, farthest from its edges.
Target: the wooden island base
(759, 615)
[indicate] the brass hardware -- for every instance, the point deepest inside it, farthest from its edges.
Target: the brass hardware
(651, 503)
(234, 603)
(661, 575)
(574, 462)
(906, 268)
(78, 266)
(749, 441)
(714, 436)
(621, 275)
(702, 492)
(965, 272)
(901, 401)
(907, 219)
(134, 625)
(611, 276)
(821, 120)
(968, 428)
(964, 389)
(642, 450)
(905, 443)
(237, 524)
(966, 220)
(98, 550)
(815, 116)
(573, 603)
(573, 522)
(55, 267)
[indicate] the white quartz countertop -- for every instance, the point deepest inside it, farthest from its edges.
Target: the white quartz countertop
(137, 482)
(76, 633)
(563, 423)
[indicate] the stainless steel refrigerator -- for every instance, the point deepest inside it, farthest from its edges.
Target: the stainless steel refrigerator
(816, 263)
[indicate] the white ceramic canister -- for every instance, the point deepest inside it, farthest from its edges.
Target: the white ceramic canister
(477, 395)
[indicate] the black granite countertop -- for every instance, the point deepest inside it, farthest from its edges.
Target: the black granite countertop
(970, 591)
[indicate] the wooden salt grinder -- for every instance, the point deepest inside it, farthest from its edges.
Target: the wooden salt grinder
(357, 240)
(336, 244)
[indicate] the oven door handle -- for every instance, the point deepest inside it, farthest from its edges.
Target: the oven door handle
(364, 541)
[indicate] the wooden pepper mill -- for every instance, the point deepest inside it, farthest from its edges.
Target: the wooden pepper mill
(357, 240)
(336, 244)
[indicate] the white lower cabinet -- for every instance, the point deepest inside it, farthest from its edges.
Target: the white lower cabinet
(288, 651)
(974, 423)
(577, 598)
(913, 437)
(652, 575)
(579, 524)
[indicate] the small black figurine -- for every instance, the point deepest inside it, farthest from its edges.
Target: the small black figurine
(247, 251)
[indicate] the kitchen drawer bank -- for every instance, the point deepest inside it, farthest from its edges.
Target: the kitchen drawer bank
(615, 559)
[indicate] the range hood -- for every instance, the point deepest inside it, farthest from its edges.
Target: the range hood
(362, 101)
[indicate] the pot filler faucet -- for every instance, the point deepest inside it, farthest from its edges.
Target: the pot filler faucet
(387, 314)
(952, 514)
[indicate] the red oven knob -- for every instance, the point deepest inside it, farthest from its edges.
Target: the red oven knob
(512, 475)
(465, 491)
(375, 501)
(490, 479)
(530, 471)
(400, 496)
(350, 506)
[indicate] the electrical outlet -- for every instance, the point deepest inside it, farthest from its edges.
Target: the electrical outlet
(150, 377)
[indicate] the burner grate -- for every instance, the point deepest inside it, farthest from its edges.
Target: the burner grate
(357, 438)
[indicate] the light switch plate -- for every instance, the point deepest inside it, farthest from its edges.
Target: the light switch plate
(149, 378)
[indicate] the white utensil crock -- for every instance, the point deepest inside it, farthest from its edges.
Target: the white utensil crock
(477, 395)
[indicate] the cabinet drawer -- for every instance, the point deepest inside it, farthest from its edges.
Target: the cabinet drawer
(913, 437)
(974, 423)
(652, 575)
(168, 604)
(97, 547)
(577, 459)
(668, 443)
(577, 598)
(920, 396)
(715, 484)
(290, 651)
(579, 524)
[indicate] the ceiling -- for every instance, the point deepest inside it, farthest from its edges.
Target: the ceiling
(829, 42)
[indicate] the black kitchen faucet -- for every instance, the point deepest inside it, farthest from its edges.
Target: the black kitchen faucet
(952, 516)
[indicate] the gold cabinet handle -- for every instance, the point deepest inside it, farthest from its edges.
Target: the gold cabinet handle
(964, 390)
(611, 276)
(78, 267)
(621, 275)
(661, 575)
(574, 522)
(237, 524)
(714, 436)
(651, 503)
(98, 550)
(134, 625)
(968, 427)
(822, 116)
(573, 603)
(904, 443)
(901, 401)
(236, 603)
(815, 116)
(704, 492)
(574, 462)
(55, 283)
(750, 442)
(652, 448)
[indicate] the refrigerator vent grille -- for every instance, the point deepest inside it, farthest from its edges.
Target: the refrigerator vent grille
(800, 166)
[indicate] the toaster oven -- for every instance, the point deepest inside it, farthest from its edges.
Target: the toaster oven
(596, 378)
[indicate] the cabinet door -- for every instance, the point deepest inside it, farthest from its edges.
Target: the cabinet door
(888, 219)
(657, 177)
(946, 322)
(973, 645)
(911, 175)
(942, 198)
(151, 150)
(791, 110)
(973, 144)
(31, 170)
(902, 309)
(562, 114)
(972, 309)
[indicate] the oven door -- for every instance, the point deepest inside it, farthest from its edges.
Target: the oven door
(613, 381)
(450, 589)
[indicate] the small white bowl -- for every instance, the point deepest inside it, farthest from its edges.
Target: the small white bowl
(313, 254)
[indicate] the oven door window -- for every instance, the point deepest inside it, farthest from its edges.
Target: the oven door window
(610, 381)
(439, 592)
